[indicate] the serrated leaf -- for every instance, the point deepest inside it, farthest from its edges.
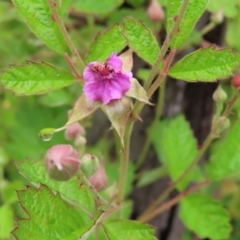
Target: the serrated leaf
(194, 10)
(205, 65)
(141, 40)
(125, 229)
(106, 43)
(35, 78)
(96, 6)
(36, 172)
(84, 232)
(179, 148)
(227, 8)
(205, 217)
(49, 216)
(6, 221)
(225, 155)
(39, 18)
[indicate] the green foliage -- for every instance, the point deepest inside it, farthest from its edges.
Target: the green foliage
(177, 148)
(35, 172)
(206, 65)
(227, 8)
(101, 49)
(205, 217)
(141, 40)
(124, 229)
(233, 32)
(194, 10)
(39, 17)
(6, 221)
(225, 155)
(35, 78)
(49, 217)
(97, 7)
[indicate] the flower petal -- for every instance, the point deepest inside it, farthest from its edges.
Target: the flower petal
(115, 62)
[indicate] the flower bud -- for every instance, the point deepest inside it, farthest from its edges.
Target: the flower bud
(155, 11)
(89, 164)
(80, 141)
(222, 124)
(219, 95)
(236, 81)
(74, 130)
(99, 179)
(62, 162)
(217, 17)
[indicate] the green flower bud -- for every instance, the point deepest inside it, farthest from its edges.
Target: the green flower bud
(89, 164)
(219, 95)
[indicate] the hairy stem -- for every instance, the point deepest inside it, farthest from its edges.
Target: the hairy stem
(124, 162)
(165, 206)
(65, 34)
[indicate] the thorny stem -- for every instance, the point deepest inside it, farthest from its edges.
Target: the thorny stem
(124, 162)
(172, 202)
(199, 155)
(65, 34)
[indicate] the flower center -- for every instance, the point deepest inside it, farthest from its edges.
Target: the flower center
(104, 70)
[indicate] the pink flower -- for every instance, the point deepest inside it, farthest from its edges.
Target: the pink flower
(62, 162)
(105, 82)
(109, 86)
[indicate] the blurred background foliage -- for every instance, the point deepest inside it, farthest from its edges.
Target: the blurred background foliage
(22, 117)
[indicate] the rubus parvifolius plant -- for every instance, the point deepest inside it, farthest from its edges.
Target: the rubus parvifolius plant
(75, 191)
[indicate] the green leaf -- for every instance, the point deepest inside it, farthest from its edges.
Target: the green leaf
(57, 98)
(49, 216)
(136, 3)
(205, 217)
(125, 229)
(179, 148)
(227, 8)
(206, 64)
(233, 32)
(83, 233)
(225, 155)
(35, 78)
(36, 172)
(192, 14)
(96, 6)
(141, 40)
(106, 43)
(39, 18)
(6, 221)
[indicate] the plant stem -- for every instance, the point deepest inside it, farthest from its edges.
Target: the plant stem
(92, 189)
(199, 155)
(65, 34)
(162, 197)
(124, 162)
(207, 28)
(172, 202)
(138, 106)
(74, 70)
(166, 44)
